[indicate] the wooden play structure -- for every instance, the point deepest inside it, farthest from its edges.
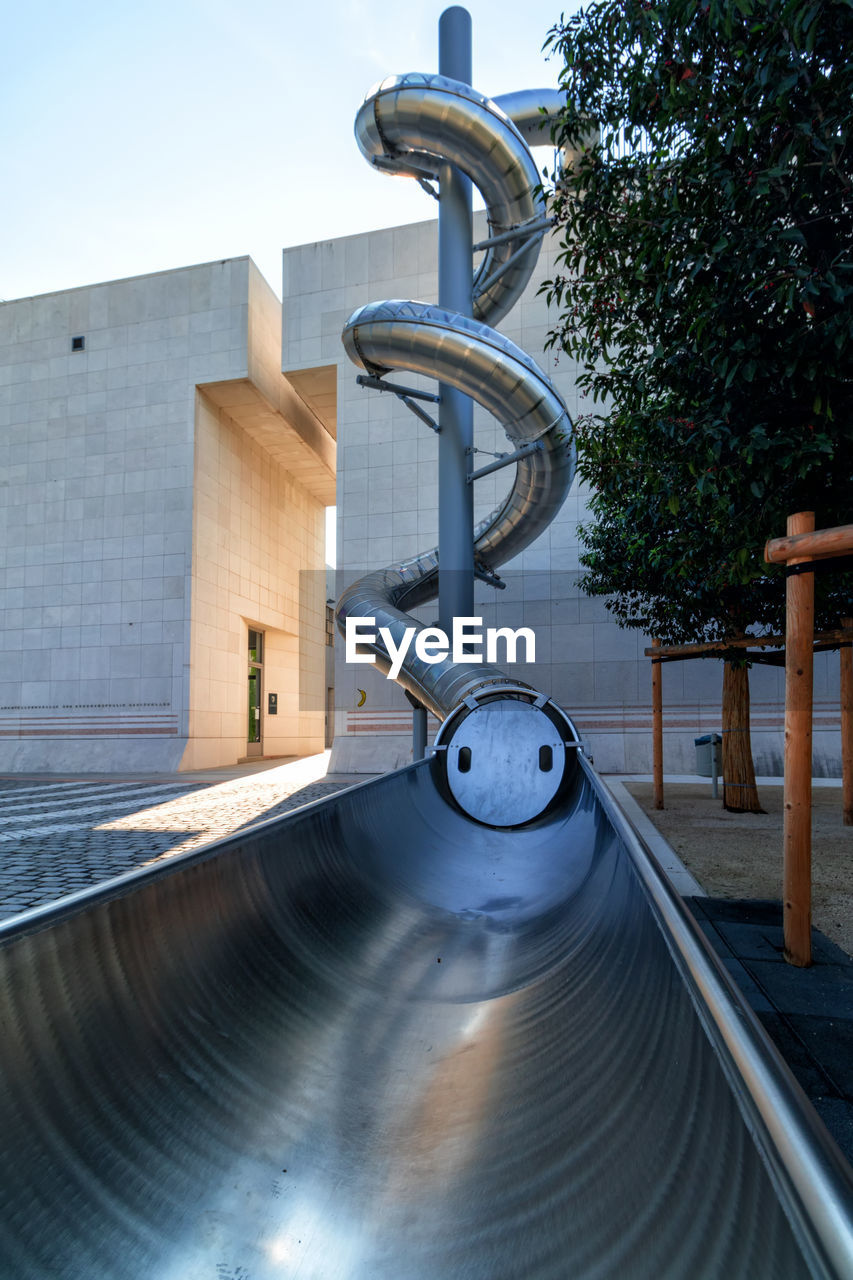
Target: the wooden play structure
(801, 548)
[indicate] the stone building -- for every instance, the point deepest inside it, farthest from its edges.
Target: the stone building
(162, 500)
(163, 486)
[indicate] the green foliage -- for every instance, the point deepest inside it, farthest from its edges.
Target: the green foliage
(705, 287)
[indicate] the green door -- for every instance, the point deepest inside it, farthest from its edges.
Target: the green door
(255, 730)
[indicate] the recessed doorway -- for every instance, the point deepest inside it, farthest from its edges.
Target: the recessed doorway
(255, 742)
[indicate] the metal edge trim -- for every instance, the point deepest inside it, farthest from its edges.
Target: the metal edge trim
(809, 1172)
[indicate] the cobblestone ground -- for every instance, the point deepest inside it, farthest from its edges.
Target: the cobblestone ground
(57, 837)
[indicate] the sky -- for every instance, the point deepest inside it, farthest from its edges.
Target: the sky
(144, 137)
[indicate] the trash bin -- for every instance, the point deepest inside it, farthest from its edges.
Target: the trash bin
(709, 755)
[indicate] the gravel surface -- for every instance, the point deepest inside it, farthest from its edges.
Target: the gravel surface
(739, 855)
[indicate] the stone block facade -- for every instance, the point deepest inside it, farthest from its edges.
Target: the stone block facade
(162, 487)
(168, 446)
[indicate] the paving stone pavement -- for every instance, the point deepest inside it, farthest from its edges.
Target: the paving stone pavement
(808, 1013)
(59, 836)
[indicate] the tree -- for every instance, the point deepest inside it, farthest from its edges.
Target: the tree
(705, 286)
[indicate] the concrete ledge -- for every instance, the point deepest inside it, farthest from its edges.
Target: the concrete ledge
(680, 878)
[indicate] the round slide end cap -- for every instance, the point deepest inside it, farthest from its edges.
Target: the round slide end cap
(505, 762)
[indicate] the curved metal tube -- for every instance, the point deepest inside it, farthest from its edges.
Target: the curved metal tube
(532, 111)
(412, 125)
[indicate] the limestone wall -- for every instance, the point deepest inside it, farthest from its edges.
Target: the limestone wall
(100, 455)
(387, 510)
(258, 547)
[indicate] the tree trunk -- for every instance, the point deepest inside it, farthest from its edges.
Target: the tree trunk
(740, 794)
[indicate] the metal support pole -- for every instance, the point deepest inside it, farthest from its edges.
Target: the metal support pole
(456, 411)
(419, 733)
(419, 727)
(506, 460)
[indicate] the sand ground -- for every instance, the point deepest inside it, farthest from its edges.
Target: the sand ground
(739, 855)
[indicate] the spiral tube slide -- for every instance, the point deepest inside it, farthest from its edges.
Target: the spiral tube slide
(412, 125)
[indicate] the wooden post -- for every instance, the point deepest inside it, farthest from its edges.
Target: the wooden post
(799, 661)
(657, 728)
(847, 726)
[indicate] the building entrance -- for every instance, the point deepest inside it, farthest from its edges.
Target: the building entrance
(255, 744)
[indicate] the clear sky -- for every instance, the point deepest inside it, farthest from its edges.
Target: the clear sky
(144, 137)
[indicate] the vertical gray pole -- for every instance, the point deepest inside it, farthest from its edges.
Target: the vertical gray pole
(419, 733)
(456, 411)
(419, 727)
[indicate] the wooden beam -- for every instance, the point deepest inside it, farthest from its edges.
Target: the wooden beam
(657, 729)
(847, 728)
(816, 544)
(838, 636)
(715, 646)
(799, 660)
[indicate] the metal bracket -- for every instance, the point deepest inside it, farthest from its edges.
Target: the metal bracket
(835, 564)
(506, 459)
(379, 384)
(489, 576)
(421, 413)
(504, 267)
(485, 285)
(396, 164)
(524, 231)
(408, 395)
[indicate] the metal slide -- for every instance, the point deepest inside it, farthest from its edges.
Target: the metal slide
(413, 125)
(375, 1041)
(378, 1039)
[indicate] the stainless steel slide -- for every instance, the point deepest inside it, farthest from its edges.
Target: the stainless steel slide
(415, 125)
(376, 1041)
(412, 125)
